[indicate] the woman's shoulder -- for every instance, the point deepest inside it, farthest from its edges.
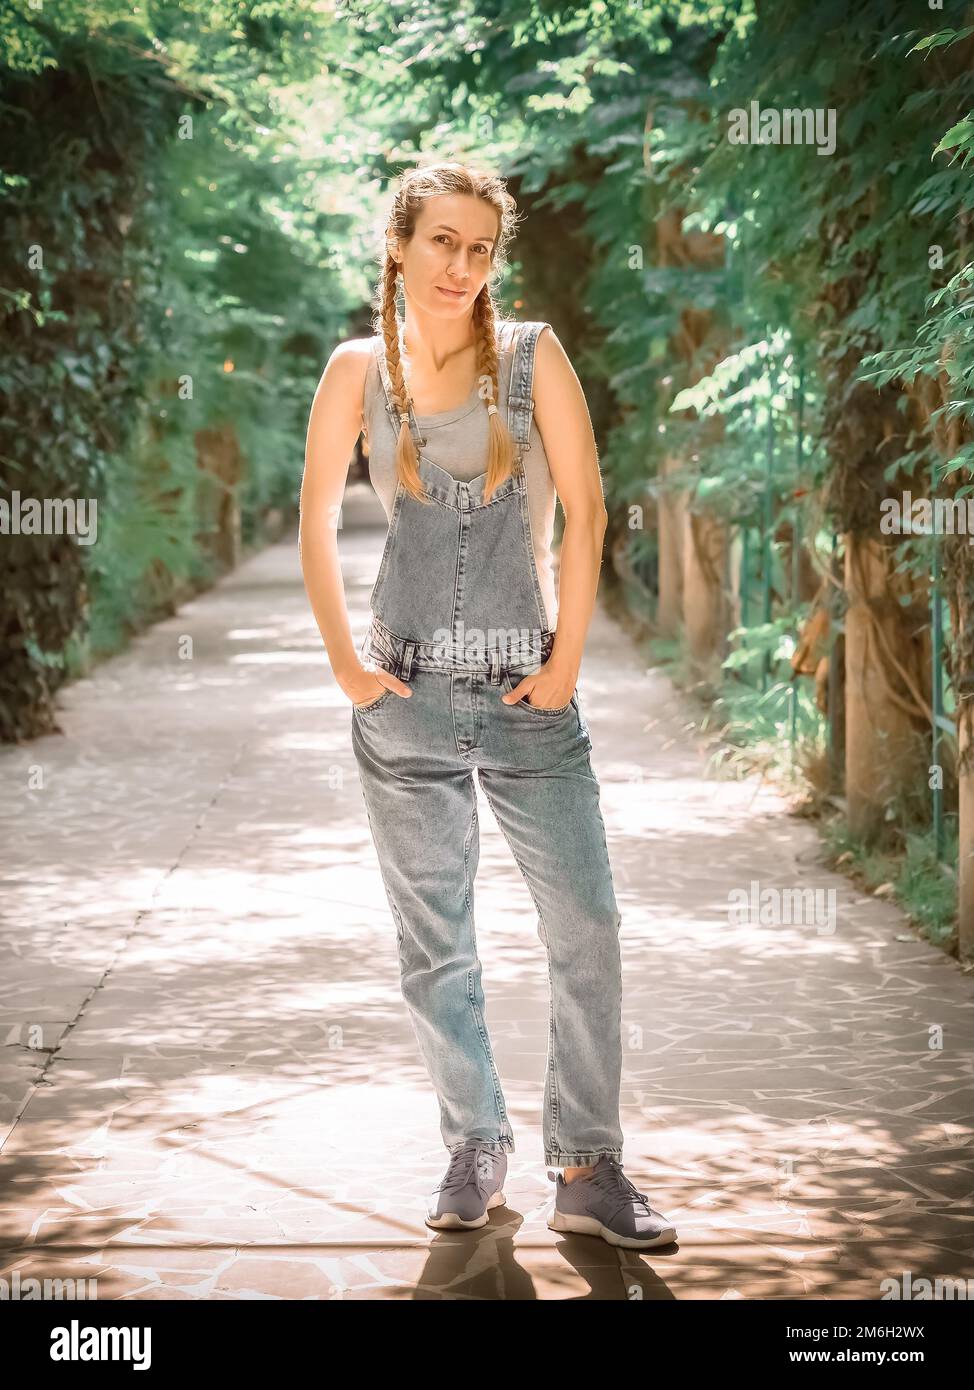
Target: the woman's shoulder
(353, 359)
(350, 370)
(356, 349)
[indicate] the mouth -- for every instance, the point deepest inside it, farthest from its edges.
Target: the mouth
(452, 294)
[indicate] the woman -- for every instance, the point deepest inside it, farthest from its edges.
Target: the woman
(472, 426)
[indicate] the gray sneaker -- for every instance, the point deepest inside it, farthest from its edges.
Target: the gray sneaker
(606, 1204)
(471, 1187)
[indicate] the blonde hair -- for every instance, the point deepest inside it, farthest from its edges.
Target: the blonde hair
(416, 186)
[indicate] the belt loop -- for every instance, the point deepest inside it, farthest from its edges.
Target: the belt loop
(495, 667)
(407, 660)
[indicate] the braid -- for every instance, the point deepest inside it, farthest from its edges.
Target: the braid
(499, 450)
(407, 464)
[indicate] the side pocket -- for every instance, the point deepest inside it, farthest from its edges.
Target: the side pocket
(387, 548)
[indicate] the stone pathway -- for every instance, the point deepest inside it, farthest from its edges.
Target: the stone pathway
(210, 1087)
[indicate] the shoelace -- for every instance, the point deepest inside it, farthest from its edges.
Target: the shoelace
(610, 1179)
(468, 1162)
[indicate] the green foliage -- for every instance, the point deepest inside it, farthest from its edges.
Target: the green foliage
(179, 258)
(924, 888)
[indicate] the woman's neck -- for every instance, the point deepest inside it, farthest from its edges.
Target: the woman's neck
(431, 344)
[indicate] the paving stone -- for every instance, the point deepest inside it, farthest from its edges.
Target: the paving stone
(209, 1084)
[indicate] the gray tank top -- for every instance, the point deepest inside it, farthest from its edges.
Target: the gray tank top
(456, 441)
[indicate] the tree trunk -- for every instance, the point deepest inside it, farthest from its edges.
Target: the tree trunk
(885, 763)
(671, 513)
(965, 806)
(218, 456)
(705, 614)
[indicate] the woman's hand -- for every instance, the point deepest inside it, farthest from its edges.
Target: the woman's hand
(368, 684)
(550, 688)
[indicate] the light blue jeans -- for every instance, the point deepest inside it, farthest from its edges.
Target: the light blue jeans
(416, 759)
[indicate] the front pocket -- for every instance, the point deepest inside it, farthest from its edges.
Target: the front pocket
(539, 710)
(374, 704)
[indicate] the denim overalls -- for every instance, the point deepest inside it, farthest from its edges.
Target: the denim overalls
(457, 614)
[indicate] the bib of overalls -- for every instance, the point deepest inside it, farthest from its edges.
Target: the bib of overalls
(457, 585)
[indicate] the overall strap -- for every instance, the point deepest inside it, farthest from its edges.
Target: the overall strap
(520, 402)
(391, 410)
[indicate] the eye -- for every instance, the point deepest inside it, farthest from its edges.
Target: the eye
(478, 250)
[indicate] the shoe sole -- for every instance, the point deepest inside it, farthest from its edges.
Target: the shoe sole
(588, 1226)
(451, 1220)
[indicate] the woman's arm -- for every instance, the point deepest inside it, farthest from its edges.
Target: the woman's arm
(563, 421)
(333, 428)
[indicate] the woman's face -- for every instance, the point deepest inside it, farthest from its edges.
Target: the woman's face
(446, 262)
